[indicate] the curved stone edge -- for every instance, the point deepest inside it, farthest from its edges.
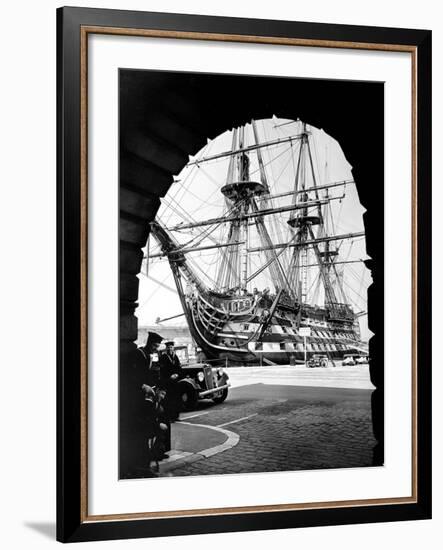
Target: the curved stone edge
(180, 459)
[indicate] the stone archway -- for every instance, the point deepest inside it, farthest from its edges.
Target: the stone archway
(165, 117)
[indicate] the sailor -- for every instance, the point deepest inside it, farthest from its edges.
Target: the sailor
(170, 374)
(136, 378)
(143, 359)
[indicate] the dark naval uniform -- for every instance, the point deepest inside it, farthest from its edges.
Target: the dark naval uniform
(170, 365)
(135, 416)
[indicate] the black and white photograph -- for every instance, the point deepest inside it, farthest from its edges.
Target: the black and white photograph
(254, 341)
(219, 321)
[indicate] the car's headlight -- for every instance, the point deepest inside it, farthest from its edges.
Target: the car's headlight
(200, 376)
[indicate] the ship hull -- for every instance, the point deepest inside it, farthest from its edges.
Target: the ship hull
(230, 331)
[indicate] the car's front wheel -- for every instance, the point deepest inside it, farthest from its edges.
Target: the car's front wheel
(221, 396)
(189, 398)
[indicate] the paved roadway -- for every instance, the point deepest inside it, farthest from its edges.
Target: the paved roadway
(278, 419)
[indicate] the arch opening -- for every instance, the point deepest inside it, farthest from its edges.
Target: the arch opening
(165, 118)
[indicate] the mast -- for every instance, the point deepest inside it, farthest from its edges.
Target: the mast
(299, 222)
(227, 270)
(243, 161)
(234, 272)
(243, 194)
(308, 225)
(240, 195)
(264, 207)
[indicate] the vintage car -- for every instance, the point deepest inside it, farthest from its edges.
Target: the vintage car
(201, 381)
(318, 361)
(362, 360)
(348, 360)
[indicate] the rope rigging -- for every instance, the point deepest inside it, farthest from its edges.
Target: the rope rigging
(273, 250)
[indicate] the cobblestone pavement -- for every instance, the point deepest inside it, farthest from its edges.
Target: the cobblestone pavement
(285, 428)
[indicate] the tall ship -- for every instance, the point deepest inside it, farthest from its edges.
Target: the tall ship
(256, 252)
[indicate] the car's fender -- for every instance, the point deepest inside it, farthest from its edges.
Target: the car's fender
(186, 382)
(223, 379)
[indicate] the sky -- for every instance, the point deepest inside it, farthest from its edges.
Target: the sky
(196, 196)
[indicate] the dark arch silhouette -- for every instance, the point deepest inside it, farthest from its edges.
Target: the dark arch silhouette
(167, 116)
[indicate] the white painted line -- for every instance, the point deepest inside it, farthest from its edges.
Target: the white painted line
(195, 415)
(238, 420)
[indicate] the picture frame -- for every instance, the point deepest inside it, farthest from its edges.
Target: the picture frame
(75, 212)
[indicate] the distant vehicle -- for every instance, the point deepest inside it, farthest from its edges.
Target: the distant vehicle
(362, 360)
(318, 361)
(348, 360)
